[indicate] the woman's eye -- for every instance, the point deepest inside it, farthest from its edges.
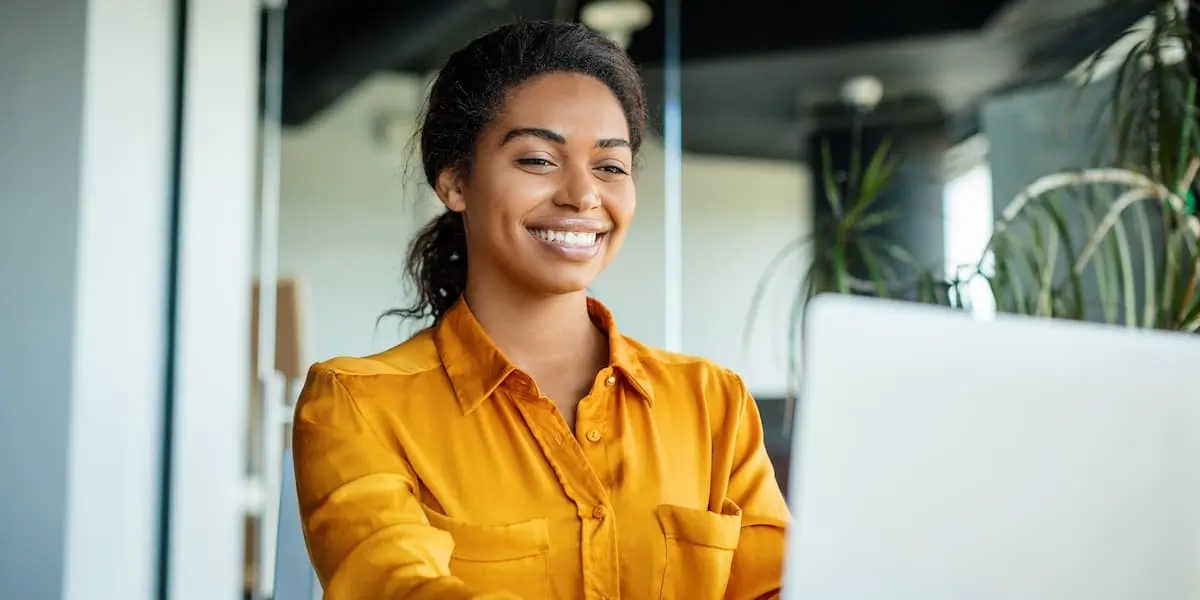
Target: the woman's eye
(535, 162)
(615, 170)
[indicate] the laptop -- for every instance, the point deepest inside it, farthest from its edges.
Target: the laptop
(940, 457)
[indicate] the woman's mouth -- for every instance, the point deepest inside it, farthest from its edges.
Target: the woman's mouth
(574, 246)
(578, 239)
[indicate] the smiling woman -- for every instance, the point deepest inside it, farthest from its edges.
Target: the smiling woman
(522, 447)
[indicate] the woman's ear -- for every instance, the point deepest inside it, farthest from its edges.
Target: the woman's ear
(449, 189)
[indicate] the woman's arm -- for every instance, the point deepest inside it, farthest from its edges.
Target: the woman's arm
(366, 532)
(758, 561)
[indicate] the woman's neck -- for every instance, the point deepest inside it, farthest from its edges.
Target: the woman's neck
(536, 331)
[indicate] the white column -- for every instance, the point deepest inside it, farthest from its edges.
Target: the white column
(212, 362)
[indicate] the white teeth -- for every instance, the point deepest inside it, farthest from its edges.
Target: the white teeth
(569, 238)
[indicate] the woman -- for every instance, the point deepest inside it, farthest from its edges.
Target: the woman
(521, 447)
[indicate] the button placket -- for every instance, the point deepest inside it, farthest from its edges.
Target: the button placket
(592, 428)
(580, 479)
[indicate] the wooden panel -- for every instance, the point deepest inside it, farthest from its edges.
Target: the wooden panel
(289, 330)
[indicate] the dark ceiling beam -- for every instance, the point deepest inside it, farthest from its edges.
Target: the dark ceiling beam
(320, 69)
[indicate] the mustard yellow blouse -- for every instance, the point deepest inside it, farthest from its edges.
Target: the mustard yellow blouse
(436, 470)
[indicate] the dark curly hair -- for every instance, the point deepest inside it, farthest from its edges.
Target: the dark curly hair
(465, 98)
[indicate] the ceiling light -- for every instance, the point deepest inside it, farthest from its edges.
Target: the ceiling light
(617, 19)
(863, 92)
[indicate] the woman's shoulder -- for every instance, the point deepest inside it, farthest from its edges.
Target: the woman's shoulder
(366, 377)
(415, 355)
(677, 369)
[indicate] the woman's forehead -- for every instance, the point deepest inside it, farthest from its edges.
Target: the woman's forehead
(567, 103)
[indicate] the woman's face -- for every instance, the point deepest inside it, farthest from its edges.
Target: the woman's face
(550, 193)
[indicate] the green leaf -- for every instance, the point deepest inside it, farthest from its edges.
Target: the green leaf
(876, 219)
(876, 178)
(1149, 270)
(874, 271)
(1105, 272)
(832, 195)
(1171, 264)
(1042, 259)
(1185, 141)
(1126, 273)
(1188, 301)
(1074, 280)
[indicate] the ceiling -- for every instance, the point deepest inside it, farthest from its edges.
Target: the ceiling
(754, 80)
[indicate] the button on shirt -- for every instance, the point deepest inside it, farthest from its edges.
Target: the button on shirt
(436, 470)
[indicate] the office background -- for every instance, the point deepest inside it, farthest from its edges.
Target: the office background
(162, 158)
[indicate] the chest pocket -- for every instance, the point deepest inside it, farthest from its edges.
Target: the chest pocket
(700, 547)
(512, 558)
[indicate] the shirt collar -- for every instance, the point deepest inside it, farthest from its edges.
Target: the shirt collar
(476, 367)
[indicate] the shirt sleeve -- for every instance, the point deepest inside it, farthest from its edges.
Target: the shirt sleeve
(366, 532)
(757, 570)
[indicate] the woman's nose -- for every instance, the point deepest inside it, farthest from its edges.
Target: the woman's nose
(578, 190)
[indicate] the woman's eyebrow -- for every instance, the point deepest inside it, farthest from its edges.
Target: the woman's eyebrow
(557, 138)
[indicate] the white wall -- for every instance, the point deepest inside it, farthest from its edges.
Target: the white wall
(738, 214)
(348, 213)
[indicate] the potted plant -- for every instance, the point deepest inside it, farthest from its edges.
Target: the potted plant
(1126, 228)
(1139, 201)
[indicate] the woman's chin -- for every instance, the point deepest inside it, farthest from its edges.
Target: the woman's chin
(566, 281)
